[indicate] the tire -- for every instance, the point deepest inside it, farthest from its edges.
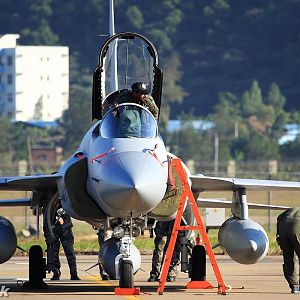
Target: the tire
(198, 263)
(126, 274)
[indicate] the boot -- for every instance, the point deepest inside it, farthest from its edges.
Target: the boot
(295, 289)
(56, 274)
(171, 278)
(74, 277)
(104, 276)
(153, 278)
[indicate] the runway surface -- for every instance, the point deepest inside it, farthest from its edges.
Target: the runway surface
(263, 280)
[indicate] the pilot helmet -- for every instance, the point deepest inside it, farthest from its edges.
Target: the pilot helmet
(140, 87)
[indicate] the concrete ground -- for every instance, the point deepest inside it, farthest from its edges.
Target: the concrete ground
(263, 280)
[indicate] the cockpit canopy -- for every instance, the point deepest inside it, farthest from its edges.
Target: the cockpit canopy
(124, 59)
(128, 121)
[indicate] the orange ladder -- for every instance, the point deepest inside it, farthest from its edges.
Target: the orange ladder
(187, 194)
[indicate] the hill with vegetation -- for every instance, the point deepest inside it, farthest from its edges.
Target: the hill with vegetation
(221, 58)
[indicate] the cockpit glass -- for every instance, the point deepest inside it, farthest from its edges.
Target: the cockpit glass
(128, 120)
(127, 61)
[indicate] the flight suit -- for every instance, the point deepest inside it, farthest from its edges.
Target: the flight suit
(148, 102)
(63, 235)
(163, 231)
(288, 238)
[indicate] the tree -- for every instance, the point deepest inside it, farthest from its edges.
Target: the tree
(172, 90)
(135, 16)
(77, 118)
(191, 143)
(260, 147)
(6, 139)
(291, 150)
(275, 98)
(38, 110)
(252, 100)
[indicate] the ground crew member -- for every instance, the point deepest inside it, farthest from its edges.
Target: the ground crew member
(64, 235)
(101, 239)
(288, 235)
(163, 231)
(139, 95)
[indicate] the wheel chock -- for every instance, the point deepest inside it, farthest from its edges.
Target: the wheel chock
(199, 285)
(127, 291)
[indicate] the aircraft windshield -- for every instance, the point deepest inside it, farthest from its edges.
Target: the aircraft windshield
(126, 62)
(128, 120)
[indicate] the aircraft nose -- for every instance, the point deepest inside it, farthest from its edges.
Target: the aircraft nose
(131, 183)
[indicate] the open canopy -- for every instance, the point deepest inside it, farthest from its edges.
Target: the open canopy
(125, 58)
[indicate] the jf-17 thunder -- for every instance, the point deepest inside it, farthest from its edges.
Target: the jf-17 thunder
(118, 180)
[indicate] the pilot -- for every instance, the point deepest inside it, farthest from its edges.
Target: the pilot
(287, 237)
(64, 235)
(163, 231)
(139, 95)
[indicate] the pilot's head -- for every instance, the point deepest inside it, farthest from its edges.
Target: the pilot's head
(139, 90)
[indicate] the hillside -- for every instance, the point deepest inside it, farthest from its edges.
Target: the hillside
(222, 45)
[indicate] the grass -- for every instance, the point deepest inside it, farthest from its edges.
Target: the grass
(144, 244)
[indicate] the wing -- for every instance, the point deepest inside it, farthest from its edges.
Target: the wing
(219, 203)
(29, 183)
(37, 184)
(202, 183)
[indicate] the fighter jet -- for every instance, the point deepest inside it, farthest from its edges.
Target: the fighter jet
(119, 178)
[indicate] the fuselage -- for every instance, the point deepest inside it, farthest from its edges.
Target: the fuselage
(127, 162)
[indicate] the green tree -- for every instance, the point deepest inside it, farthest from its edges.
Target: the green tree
(77, 118)
(37, 30)
(172, 91)
(6, 140)
(275, 97)
(252, 100)
(291, 150)
(191, 143)
(135, 16)
(260, 147)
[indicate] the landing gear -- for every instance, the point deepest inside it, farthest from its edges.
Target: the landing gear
(37, 269)
(126, 273)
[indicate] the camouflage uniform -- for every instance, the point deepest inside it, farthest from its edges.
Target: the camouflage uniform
(148, 102)
(163, 231)
(64, 235)
(288, 238)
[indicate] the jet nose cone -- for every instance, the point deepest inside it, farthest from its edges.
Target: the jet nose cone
(131, 183)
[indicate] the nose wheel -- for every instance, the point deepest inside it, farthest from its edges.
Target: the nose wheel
(126, 273)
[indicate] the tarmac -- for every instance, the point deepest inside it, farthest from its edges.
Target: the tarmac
(263, 280)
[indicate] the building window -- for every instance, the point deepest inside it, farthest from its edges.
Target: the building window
(9, 98)
(9, 60)
(9, 79)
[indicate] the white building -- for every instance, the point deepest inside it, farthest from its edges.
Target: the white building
(34, 80)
